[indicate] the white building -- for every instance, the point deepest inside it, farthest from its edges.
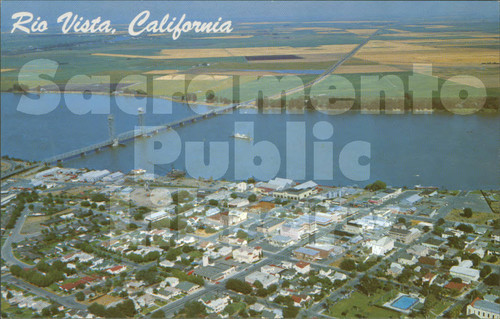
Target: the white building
(247, 254)
(94, 176)
(484, 309)
(215, 304)
(382, 246)
(265, 279)
(465, 273)
(302, 267)
(156, 216)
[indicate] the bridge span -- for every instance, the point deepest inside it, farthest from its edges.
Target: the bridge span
(133, 134)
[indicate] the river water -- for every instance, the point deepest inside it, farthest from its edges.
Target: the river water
(444, 150)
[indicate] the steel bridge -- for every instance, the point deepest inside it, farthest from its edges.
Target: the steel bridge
(137, 133)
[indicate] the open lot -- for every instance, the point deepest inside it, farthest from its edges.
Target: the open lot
(361, 305)
(478, 218)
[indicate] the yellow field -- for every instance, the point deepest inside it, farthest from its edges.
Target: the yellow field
(234, 36)
(316, 29)
(377, 68)
(161, 72)
(361, 31)
(6, 70)
(229, 52)
(199, 77)
(465, 34)
(401, 53)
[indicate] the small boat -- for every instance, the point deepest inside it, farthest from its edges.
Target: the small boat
(242, 136)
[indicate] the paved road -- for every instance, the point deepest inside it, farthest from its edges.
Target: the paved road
(15, 237)
(67, 301)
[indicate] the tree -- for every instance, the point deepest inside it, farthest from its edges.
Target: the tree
(377, 185)
(158, 314)
(492, 280)
(239, 286)
(467, 212)
(252, 198)
(368, 285)
(213, 202)
(348, 264)
(440, 222)
(194, 309)
(80, 296)
(16, 270)
(241, 234)
(290, 311)
(257, 284)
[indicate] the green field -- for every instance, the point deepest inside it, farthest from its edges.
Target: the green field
(361, 305)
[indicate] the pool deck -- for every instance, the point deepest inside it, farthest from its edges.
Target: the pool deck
(405, 311)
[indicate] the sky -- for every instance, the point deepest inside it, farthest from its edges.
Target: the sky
(250, 11)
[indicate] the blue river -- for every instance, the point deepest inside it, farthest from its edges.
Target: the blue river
(441, 149)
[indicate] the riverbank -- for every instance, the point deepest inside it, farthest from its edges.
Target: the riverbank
(251, 105)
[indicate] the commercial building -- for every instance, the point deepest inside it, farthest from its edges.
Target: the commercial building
(382, 246)
(247, 254)
(465, 273)
(484, 309)
(294, 194)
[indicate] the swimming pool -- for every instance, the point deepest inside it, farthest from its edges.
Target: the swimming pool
(404, 302)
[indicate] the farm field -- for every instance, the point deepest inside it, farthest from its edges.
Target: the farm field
(268, 50)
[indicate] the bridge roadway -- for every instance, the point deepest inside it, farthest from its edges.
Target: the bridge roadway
(133, 134)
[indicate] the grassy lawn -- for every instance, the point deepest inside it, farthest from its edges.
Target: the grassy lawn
(478, 218)
(359, 304)
(438, 308)
(149, 309)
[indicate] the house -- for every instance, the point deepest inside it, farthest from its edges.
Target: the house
(156, 216)
(429, 277)
(302, 267)
(187, 287)
(214, 303)
(395, 269)
(405, 236)
(281, 241)
(465, 273)
(265, 279)
(433, 243)
(495, 234)
(418, 250)
(168, 293)
(271, 269)
(238, 202)
(411, 200)
(306, 254)
(116, 270)
(270, 226)
(457, 286)
(294, 194)
(428, 261)
(247, 254)
(407, 259)
(215, 273)
(382, 246)
(484, 309)
(299, 301)
(169, 282)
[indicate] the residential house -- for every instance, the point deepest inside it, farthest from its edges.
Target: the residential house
(302, 267)
(265, 279)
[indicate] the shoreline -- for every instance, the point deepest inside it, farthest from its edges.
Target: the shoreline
(252, 106)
